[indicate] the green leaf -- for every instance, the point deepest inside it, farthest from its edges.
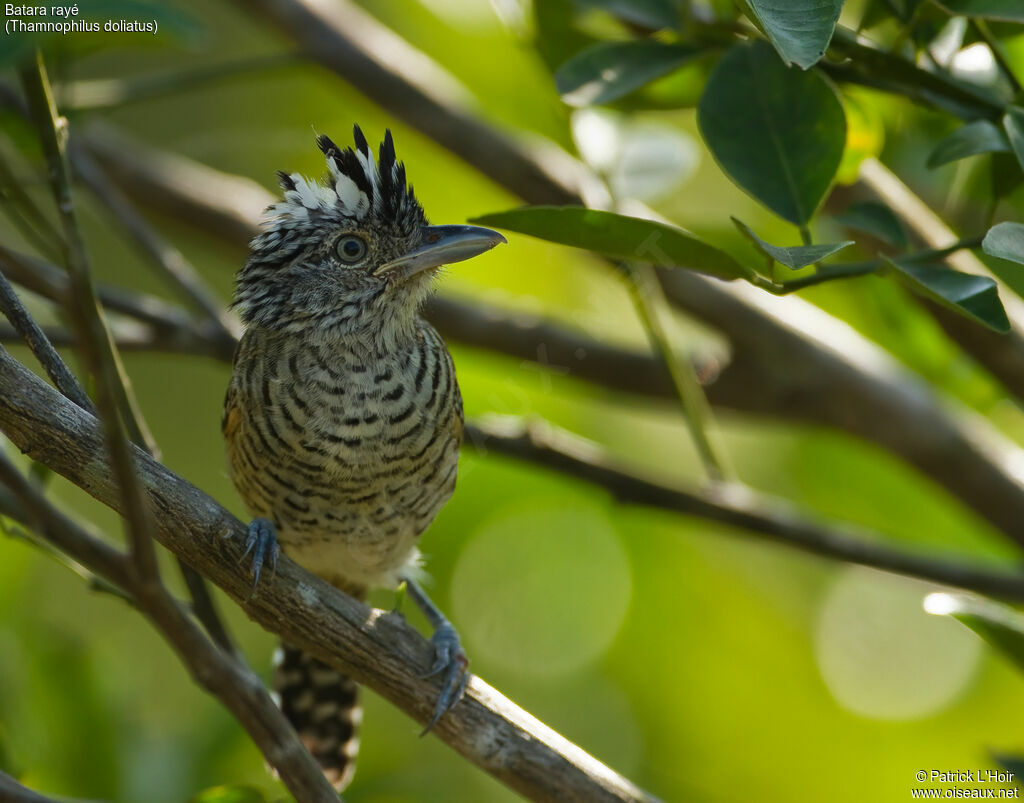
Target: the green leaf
(981, 136)
(1006, 241)
(651, 14)
(976, 297)
(610, 70)
(1004, 10)
(794, 257)
(1000, 626)
(1013, 124)
(619, 237)
(778, 132)
(876, 219)
(800, 30)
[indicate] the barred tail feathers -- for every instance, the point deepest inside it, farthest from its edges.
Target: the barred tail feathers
(323, 707)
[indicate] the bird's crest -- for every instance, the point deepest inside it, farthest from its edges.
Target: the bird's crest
(355, 187)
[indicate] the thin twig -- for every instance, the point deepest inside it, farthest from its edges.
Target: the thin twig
(203, 603)
(649, 301)
(216, 671)
(755, 514)
(111, 384)
(168, 260)
(37, 341)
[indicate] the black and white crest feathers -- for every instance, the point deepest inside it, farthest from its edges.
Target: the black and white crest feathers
(356, 187)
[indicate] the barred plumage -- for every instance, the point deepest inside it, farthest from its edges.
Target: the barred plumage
(343, 418)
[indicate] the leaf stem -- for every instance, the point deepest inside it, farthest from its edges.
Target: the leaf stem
(650, 304)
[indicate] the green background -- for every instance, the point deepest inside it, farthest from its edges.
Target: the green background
(699, 662)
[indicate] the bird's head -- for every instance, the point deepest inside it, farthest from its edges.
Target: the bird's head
(351, 255)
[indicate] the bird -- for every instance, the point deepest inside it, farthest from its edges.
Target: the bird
(343, 416)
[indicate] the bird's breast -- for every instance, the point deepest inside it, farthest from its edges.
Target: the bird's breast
(350, 455)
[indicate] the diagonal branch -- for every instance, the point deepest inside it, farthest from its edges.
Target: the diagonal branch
(81, 304)
(216, 671)
(374, 647)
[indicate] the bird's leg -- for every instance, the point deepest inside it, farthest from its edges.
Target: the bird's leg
(450, 659)
(262, 543)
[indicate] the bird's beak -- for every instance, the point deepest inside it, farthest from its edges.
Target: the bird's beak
(442, 245)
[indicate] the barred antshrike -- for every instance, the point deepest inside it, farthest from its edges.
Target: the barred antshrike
(343, 418)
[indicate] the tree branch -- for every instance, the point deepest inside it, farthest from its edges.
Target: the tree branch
(732, 505)
(80, 303)
(375, 648)
(216, 671)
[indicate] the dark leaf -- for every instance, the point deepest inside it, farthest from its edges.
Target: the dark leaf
(619, 237)
(976, 297)
(1000, 626)
(609, 70)
(778, 132)
(1006, 241)
(800, 30)
(793, 256)
(981, 136)
(876, 219)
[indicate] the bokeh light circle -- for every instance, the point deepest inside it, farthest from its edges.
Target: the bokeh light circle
(883, 656)
(542, 588)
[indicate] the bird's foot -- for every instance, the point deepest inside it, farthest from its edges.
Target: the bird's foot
(451, 663)
(262, 543)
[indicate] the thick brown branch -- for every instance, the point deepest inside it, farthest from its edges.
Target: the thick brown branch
(373, 647)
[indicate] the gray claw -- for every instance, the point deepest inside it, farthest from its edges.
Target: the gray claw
(262, 543)
(451, 660)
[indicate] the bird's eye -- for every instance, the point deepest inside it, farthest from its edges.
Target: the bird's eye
(351, 249)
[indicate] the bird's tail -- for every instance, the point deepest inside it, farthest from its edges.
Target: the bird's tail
(323, 707)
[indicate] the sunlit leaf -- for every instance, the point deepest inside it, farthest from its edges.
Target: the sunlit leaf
(1006, 241)
(800, 30)
(778, 132)
(981, 136)
(619, 237)
(976, 297)
(876, 219)
(609, 70)
(1005, 10)
(1000, 626)
(794, 257)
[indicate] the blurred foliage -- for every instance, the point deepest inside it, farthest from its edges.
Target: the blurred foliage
(703, 664)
